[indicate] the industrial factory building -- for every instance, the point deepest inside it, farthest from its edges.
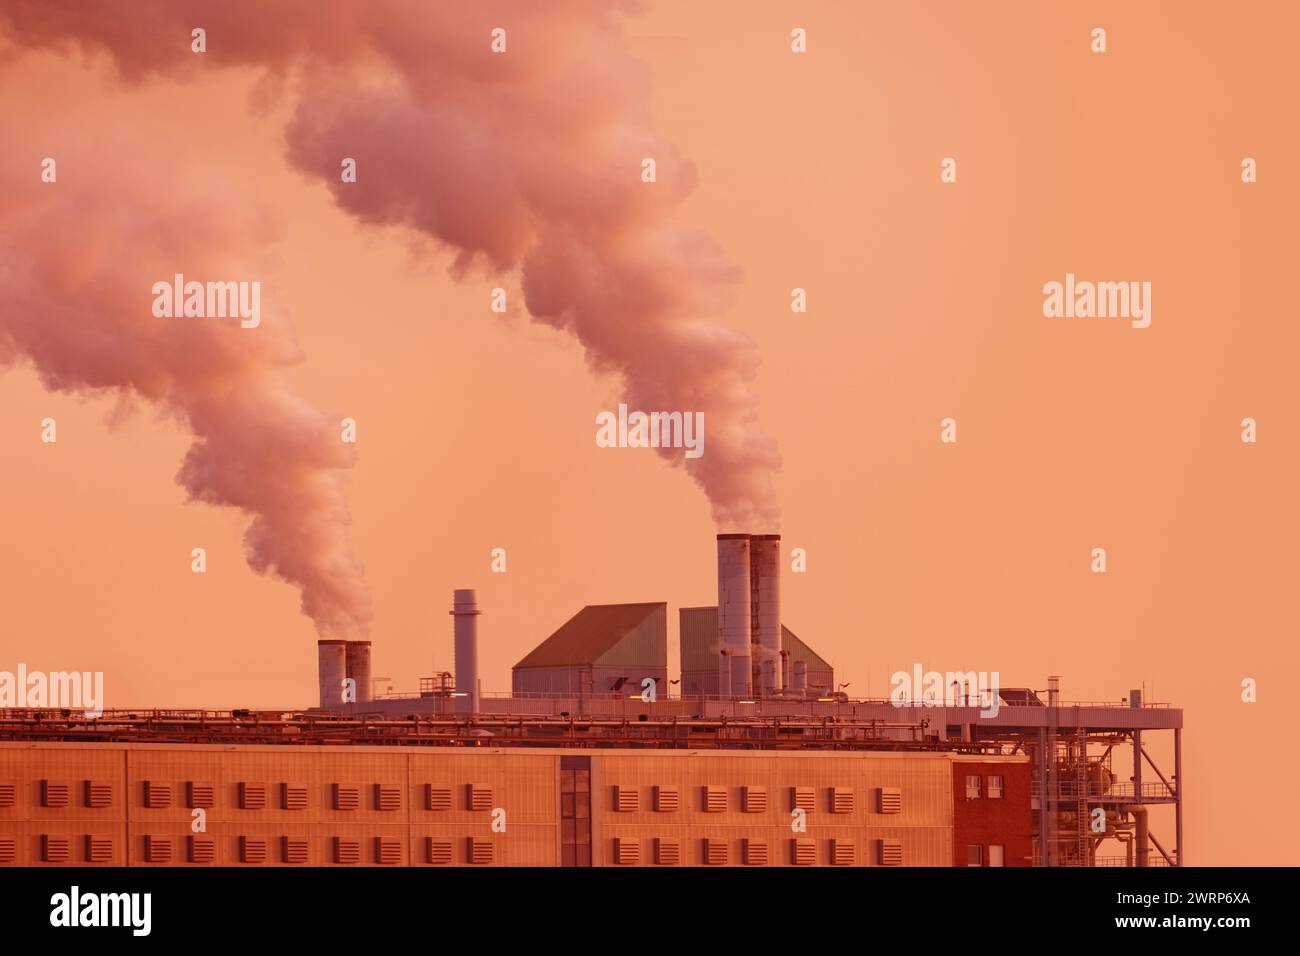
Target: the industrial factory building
(119, 804)
(810, 675)
(605, 649)
(590, 761)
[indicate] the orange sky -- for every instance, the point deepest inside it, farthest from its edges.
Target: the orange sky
(819, 171)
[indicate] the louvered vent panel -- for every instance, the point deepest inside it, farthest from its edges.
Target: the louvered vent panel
(252, 796)
(8, 795)
(295, 850)
(202, 795)
(388, 798)
(439, 798)
(841, 800)
(803, 798)
(157, 794)
(890, 800)
(891, 853)
(439, 852)
(203, 849)
(843, 853)
(626, 799)
(157, 849)
(99, 849)
(347, 798)
(755, 800)
(294, 797)
(55, 849)
(480, 851)
(627, 852)
(8, 850)
(755, 853)
(54, 794)
(715, 852)
(715, 799)
(388, 851)
(667, 799)
(252, 851)
(98, 795)
(805, 853)
(668, 852)
(347, 851)
(480, 798)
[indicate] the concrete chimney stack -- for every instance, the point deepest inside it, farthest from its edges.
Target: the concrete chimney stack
(359, 668)
(465, 612)
(765, 582)
(735, 628)
(332, 658)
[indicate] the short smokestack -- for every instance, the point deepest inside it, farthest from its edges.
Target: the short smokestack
(765, 614)
(359, 669)
(464, 609)
(735, 599)
(332, 669)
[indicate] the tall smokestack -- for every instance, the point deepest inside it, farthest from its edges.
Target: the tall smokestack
(735, 629)
(359, 669)
(765, 585)
(464, 608)
(332, 657)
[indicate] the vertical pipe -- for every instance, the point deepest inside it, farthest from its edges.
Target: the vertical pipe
(765, 583)
(735, 628)
(332, 669)
(359, 669)
(1178, 795)
(1044, 857)
(465, 612)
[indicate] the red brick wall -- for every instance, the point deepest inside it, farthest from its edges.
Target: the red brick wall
(1007, 822)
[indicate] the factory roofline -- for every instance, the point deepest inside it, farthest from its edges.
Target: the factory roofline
(589, 634)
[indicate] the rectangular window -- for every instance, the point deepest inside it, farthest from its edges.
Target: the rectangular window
(973, 787)
(575, 811)
(995, 787)
(974, 855)
(997, 855)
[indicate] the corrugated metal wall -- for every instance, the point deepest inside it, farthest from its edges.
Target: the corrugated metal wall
(522, 783)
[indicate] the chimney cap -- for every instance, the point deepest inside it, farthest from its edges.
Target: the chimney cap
(323, 643)
(733, 537)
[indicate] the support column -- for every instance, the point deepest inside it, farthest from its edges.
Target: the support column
(1178, 795)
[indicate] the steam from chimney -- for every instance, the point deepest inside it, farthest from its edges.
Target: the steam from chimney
(527, 160)
(78, 259)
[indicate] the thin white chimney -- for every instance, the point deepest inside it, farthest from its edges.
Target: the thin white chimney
(765, 584)
(735, 630)
(465, 612)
